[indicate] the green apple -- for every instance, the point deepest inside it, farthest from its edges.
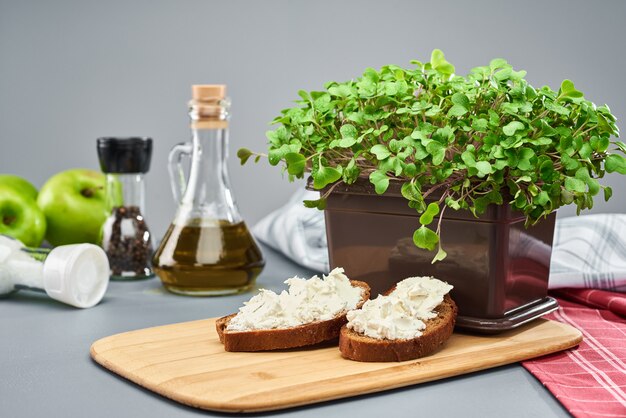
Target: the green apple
(74, 204)
(20, 217)
(21, 185)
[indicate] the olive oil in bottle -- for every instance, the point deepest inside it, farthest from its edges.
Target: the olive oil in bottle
(207, 249)
(201, 258)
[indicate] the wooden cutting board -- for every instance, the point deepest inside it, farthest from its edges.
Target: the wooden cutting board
(186, 362)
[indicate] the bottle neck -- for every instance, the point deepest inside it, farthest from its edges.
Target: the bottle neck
(125, 190)
(208, 195)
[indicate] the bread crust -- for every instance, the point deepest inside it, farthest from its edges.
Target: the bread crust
(355, 346)
(283, 338)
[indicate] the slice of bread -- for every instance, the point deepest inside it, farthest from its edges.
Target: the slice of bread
(282, 338)
(356, 346)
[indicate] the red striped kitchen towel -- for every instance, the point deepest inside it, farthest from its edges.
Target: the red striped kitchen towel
(590, 381)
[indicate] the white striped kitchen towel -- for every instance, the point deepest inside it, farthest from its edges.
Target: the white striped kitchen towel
(297, 232)
(590, 252)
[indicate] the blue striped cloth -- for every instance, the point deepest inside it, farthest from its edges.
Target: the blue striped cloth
(588, 251)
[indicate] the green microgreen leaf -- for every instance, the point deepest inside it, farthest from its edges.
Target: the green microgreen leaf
(431, 211)
(441, 254)
(380, 181)
(325, 176)
(615, 163)
(348, 131)
(484, 168)
(319, 204)
(380, 151)
(244, 154)
(575, 185)
(411, 192)
(295, 163)
(461, 100)
(439, 63)
(457, 110)
(437, 151)
(425, 238)
(568, 90)
(512, 127)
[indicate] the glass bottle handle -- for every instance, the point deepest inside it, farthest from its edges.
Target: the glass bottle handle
(178, 180)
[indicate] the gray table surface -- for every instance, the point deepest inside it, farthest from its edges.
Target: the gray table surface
(45, 368)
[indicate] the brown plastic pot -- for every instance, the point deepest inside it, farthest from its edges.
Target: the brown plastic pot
(499, 268)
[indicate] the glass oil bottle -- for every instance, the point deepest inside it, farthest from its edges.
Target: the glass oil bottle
(208, 249)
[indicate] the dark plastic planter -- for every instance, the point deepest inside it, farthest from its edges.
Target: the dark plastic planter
(499, 269)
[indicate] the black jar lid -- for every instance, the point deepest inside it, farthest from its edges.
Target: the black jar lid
(124, 155)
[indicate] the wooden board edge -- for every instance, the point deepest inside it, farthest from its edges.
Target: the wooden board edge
(135, 379)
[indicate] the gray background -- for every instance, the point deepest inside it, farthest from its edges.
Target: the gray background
(71, 71)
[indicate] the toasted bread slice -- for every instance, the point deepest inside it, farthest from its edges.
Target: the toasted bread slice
(282, 338)
(356, 346)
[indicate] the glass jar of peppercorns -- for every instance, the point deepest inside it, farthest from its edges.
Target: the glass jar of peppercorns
(126, 238)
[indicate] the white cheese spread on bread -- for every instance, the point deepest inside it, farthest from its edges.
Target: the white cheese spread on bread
(401, 315)
(304, 302)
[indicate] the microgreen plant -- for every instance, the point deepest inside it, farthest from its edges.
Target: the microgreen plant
(454, 142)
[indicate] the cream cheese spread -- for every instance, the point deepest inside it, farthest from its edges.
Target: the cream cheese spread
(401, 315)
(306, 301)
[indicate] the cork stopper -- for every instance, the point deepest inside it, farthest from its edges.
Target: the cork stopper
(208, 92)
(209, 106)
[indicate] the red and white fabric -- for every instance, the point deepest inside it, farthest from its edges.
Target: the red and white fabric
(590, 380)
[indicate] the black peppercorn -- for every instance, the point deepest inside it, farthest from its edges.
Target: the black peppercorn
(127, 242)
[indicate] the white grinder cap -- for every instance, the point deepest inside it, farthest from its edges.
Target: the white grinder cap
(76, 274)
